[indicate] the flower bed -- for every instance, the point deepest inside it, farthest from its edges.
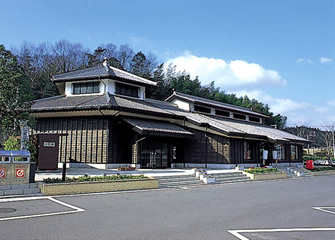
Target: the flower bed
(322, 171)
(264, 173)
(87, 184)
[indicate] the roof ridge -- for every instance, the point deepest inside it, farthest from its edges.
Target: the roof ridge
(211, 101)
(48, 98)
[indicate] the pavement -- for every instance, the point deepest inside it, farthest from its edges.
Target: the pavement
(76, 172)
(274, 210)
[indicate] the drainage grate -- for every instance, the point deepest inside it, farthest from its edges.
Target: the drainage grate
(7, 210)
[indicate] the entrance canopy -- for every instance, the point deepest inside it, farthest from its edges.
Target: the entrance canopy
(157, 128)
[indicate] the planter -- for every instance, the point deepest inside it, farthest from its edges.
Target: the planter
(208, 180)
(266, 176)
(193, 170)
(321, 173)
(202, 176)
(126, 168)
(200, 172)
(94, 187)
(239, 168)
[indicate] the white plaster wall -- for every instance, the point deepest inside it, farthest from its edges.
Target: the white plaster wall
(182, 105)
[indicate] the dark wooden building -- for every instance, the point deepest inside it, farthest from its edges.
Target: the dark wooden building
(104, 119)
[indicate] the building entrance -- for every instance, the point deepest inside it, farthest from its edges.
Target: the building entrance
(154, 155)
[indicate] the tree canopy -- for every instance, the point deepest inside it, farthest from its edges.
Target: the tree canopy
(39, 62)
(15, 93)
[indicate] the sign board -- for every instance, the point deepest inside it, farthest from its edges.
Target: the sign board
(19, 173)
(49, 144)
(2, 173)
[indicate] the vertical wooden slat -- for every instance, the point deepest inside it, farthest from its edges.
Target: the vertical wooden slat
(86, 139)
(66, 139)
(61, 141)
(81, 140)
(97, 140)
(91, 141)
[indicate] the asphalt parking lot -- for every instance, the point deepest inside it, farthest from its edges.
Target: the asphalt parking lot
(282, 209)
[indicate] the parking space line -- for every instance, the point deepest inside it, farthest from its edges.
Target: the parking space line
(325, 210)
(75, 209)
(237, 233)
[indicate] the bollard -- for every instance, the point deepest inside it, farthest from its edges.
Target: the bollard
(64, 172)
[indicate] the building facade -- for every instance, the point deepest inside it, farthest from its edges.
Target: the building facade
(103, 119)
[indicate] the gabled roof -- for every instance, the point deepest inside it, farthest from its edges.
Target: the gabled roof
(212, 103)
(151, 127)
(100, 72)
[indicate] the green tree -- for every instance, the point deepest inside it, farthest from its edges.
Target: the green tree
(15, 94)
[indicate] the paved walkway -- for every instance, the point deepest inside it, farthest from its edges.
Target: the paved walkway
(76, 172)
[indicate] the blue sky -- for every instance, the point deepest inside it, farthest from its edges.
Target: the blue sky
(279, 52)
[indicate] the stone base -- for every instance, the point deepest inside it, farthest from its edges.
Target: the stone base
(94, 187)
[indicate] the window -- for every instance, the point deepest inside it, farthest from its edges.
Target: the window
(222, 113)
(294, 152)
(85, 88)
(254, 119)
(202, 109)
(127, 90)
(279, 152)
(239, 116)
(247, 150)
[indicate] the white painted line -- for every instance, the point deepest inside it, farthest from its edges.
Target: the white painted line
(324, 210)
(76, 209)
(22, 199)
(67, 205)
(237, 234)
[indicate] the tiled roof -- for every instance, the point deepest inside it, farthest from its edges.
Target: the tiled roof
(233, 127)
(150, 126)
(213, 103)
(149, 107)
(74, 102)
(259, 130)
(101, 71)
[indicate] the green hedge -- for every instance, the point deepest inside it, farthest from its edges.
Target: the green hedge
(319, 169)
(261, 170)
(309, 157)
(88, 178)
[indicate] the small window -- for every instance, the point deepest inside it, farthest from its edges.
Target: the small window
(222, 113)
(86, 88)
(239, 116)
(254, 119)
(127, 90)
(202, 109)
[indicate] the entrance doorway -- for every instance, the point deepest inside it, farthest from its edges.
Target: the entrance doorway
(48, 151)
(154, 155)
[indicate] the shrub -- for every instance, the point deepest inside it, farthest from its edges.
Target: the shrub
(88, 178)
(319, 169)
(261, 170)
(12, 143)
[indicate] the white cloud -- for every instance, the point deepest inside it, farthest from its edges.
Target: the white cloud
(298, 113)
(302, 60)
(227, 75)
(325, 60)
(331, 103)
